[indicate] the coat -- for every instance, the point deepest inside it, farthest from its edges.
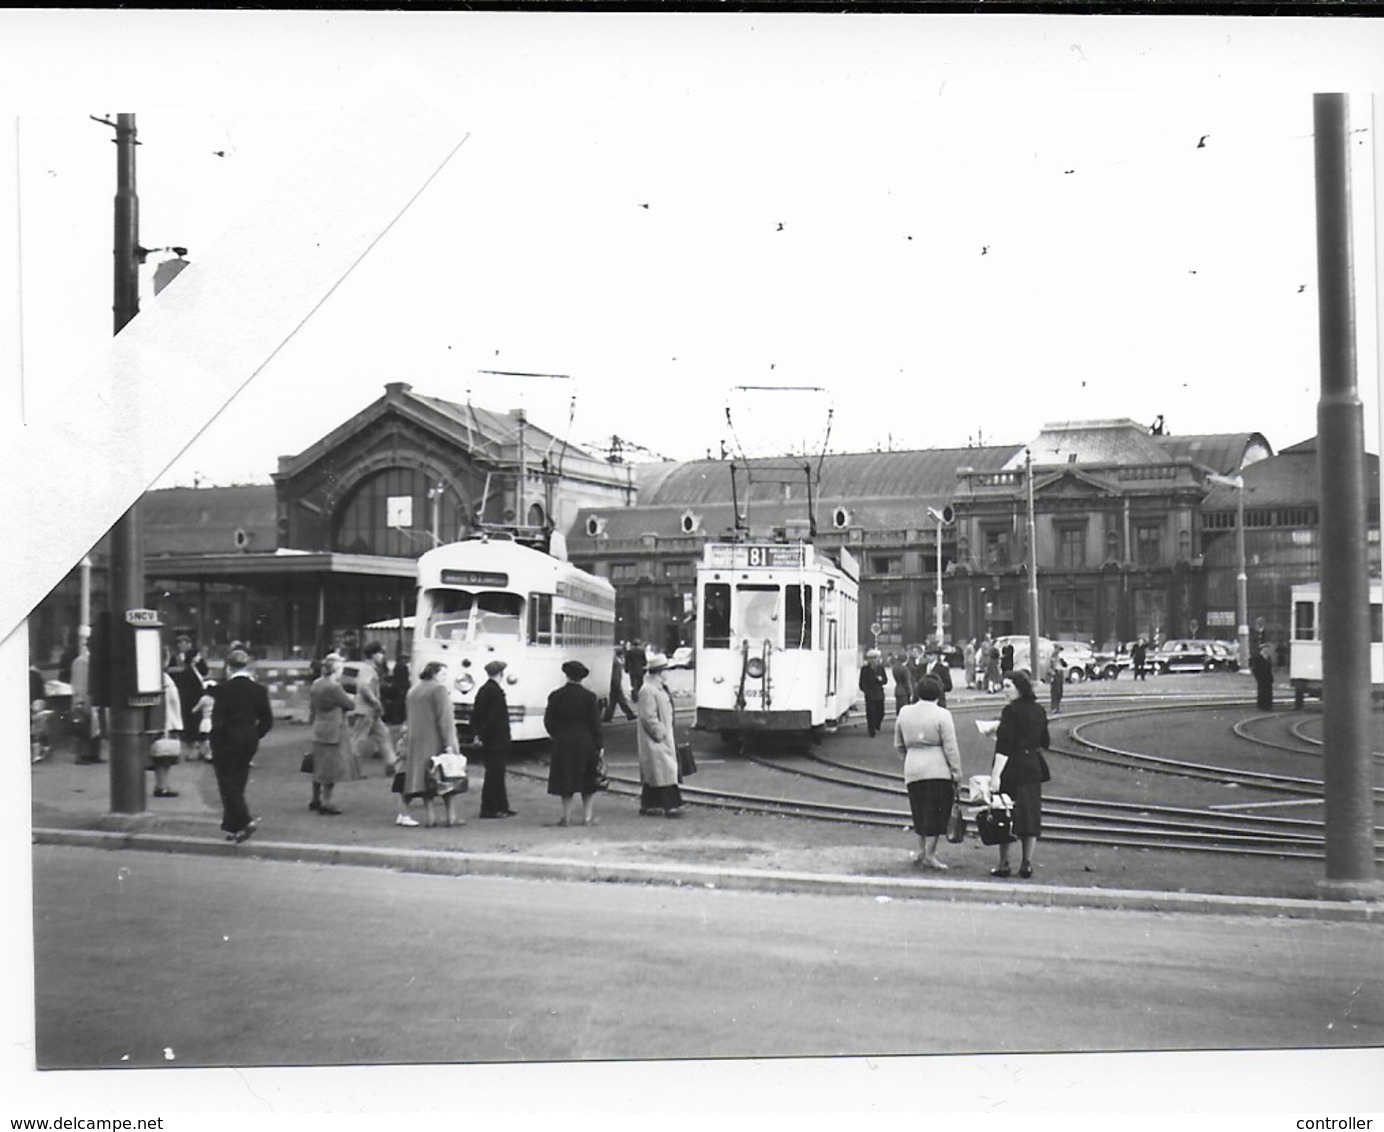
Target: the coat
(328, 703)
(573, 719)
(432, 729)
(240, 719)
(189, 672)
(490, 716)
(658, 751)
(1023, 729)
(872, 681)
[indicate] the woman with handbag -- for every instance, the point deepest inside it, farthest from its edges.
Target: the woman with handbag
(658, 749)
(1020, 769)
(333, 757)
(165, 751)
(432, 730)
(925, 735)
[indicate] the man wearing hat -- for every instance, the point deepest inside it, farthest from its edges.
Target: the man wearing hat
(490, 724)
(872, 681)
(240, 719)
(658, 750)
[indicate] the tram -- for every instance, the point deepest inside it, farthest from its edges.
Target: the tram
(1305, 647)
(493, 598)
(778, 639)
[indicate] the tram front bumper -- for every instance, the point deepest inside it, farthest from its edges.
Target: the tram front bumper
(728, 719)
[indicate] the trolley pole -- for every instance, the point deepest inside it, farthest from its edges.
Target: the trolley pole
(1032, 570)
(1345, 620)
(127, 554)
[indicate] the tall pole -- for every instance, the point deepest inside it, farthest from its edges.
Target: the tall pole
(127, 560)
(1032, 570)
(939, 583)
(1348, 770)
(1242, 578)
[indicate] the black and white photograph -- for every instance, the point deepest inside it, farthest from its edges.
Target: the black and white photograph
(684, 562)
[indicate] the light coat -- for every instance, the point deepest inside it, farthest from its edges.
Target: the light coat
(432, 729)
(658, 752)
(328, 703)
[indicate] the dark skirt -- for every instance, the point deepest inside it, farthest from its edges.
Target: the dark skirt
(931, 802)
(660, 798)
(1028, 809)
(571, 771)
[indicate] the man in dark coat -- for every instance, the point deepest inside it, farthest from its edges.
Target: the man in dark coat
(1262, 669)
(941, 672)
(490, 723)
(1139, 655)
(903, 691)
(872, 681)
(1007, 659)
(240, 718)
(636, 664)
(617, 690)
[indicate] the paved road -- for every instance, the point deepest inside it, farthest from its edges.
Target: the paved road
(150, 960)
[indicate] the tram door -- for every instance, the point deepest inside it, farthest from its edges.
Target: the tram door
(832, 661)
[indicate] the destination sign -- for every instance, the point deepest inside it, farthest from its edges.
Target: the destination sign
(751, 555)
(474, 578)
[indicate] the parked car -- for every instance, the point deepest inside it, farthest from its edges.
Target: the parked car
(1227, 655)
(1109, 663)
(682, 658)
(1184, 655)
(1080, 659)
(1020, 644)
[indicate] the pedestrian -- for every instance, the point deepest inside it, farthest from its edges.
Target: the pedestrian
(872, 681)
(393, 696)
(333, 754)
(573, 719)
(993, 675)
(369, 735)
(1139, 655)
(156, 761)
(903, 694)
(1057, 679)
(925, 736)
(87, 721)
(38, 716)
(916, 666)
(636, 662)
(1006, 659)
(940, 671)
(432, 731)
(189, 672)
(657, 741)
(490, 725)
(240, 719)
(617, 689)
(1261, 668)
(968, 662)
(1019, 769)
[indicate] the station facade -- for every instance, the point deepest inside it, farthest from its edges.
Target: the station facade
(1133, 536)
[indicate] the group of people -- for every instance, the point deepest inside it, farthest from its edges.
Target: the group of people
(907, 671)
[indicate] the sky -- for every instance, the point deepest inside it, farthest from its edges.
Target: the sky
(949, 229)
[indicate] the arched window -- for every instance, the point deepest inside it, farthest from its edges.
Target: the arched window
(394, 513)
(536, 517)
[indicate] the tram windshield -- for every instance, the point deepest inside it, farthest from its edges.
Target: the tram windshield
(461, 615)
(755, 615)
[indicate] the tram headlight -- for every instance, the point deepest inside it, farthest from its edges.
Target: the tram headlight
(464, 683)
(755, 667)
(510, 678)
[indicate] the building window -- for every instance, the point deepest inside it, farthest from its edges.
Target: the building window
(624, 571)
(682, 571)
(888, 615)
(886, 564)
(1071, 547)
(997, 548)
(1148, 538)
(1112, 545)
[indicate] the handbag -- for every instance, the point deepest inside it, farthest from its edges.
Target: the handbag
(687, 763)
(306, 765)
(995, 823)
(956, 823)
(165, 750)
(602, 778)
(449, 773)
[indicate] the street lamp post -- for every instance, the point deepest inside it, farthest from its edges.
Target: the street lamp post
(1032, 570)
(942, 518)
(1242, 578)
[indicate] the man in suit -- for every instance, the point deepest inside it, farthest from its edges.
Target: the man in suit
(240, 719)
(490, 724)
(872, 681)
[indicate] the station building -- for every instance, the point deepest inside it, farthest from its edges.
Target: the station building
(1133, 537)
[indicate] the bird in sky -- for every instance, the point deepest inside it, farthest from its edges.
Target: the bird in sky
(985, 249)
(643, 206)
(1201, 142)
(1301, 288)
(780, 227)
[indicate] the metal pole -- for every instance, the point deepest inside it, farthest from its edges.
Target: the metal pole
(1345, 616)
(1241, 580)
(127, 556)
(1032, 571)
(939, 583)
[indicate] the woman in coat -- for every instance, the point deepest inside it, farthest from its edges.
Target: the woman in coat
(333, 756)
(573, 719)
(658, 751)
(189, 672)
(1019, 769)
(432, 730)
(925, 735)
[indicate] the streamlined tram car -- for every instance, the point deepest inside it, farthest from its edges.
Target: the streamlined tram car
(778, 638)
(493, 598)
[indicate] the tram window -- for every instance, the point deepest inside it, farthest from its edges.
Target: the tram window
(1304, 621)
(757, 612)
(797, 623)
(540, 619)
(716, 616)
(498, 614)
(449, 614)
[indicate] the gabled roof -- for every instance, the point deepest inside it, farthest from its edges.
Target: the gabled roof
(204, 520)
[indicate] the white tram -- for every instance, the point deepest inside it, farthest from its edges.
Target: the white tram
(777, 638)
(491, 598)
(1305, 647)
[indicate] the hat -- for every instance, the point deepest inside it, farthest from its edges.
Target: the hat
(237, 658)
(575, 670)
(657, 663)
(870, 654)
(495, 667)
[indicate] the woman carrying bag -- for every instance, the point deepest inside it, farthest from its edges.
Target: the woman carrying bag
(925, 735)
(1020, 769)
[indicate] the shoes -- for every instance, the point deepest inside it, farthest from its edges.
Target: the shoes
(242, 835)
(404, 819)
(651, 812)
(164, 792)
(330, 811)
(509, 813)
(1004, 872)
(500, 814)
(315, 805)
(630, 718)
(934, 863)
(1025, 870)
(676, 812)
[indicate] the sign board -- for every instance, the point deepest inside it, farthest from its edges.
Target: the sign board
(756, 555)
(474, 578)
(142, 617)
(1220, 618)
